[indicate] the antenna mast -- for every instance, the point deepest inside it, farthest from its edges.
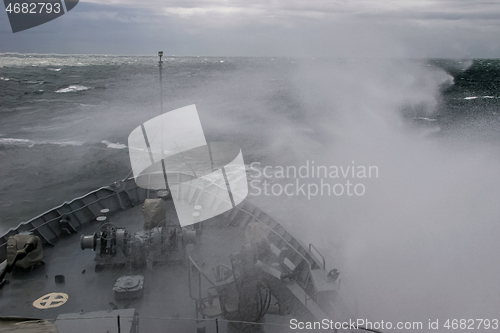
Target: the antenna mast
(160, 54)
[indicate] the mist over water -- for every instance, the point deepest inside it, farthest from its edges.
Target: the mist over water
(420, 244)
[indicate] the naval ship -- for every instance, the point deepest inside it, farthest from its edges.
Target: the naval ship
(167, 250)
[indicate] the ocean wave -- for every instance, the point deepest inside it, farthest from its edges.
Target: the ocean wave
(54, 69)
(15, 142)
(72, 88)
(49, 100)
(30, 143)
(114, 145)
(33, 82)
(4, 78)
(475, 97)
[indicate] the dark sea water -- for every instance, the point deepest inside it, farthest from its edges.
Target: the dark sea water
(64, 119)
(430, 126)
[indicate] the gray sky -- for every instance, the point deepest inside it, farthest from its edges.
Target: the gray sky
(351, 28)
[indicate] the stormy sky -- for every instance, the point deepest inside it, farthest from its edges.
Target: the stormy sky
(338, 28)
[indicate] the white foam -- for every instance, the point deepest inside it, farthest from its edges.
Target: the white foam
(114, 145)
(54, 69)
(16, 142)
(4, 78)
(63, 143)
(426, 119)
(474, 97)
(51, 100)
(31, 143)
(72, 88)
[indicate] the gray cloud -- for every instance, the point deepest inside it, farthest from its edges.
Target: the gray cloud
(352, 28)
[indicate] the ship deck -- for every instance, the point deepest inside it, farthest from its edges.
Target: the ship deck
(166, 305)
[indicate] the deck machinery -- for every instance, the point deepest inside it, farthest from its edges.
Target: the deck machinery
(241, 269)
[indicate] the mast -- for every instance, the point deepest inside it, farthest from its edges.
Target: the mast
(160, 54)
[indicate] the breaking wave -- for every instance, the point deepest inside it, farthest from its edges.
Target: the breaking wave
(475, 97)
(72, 88)
(30, 143)
(114, 145)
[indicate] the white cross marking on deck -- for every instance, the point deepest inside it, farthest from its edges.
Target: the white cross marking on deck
(52, 300)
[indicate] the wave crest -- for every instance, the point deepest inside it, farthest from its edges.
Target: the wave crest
(72, 88)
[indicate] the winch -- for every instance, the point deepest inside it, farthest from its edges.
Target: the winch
(110, 243)
(108, 238)
(117, 247)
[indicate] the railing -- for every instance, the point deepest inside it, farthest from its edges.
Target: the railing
(60, 215)
(315, 249)
(304, 285)
(145, 318)
(198, 300)
(306, 281)
(58, 211)
(263, 223)
(257, 219)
